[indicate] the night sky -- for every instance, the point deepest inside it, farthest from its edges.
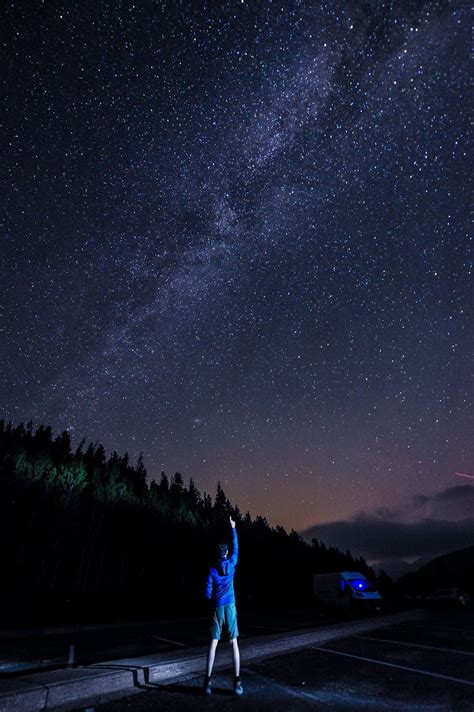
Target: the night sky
(235, 236)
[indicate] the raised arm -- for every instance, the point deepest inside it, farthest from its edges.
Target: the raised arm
(235, 543)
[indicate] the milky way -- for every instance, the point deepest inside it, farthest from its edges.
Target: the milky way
(235, 237)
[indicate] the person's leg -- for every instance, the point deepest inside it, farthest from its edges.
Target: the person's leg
(233, 633)
(238, 689)
(216, 630)
(211, 655)
(235, 656)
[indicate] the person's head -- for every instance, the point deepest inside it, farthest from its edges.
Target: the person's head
(222, 550)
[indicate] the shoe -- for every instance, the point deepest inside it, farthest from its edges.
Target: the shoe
(206, 687)
(238, 689)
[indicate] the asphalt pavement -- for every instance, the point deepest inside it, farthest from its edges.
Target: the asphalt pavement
(410, 661)
(65, 688)
(424, 665)
(54, 648)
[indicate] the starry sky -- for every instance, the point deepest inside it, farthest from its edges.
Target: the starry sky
(235, 236)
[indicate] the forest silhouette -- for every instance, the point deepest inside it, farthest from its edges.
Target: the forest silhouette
(88, 537)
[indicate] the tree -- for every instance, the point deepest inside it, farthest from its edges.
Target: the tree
(42, 438)
(140, 477)
(221, 504)
(164, 484)
(176, 488)
(62, 447)
(110, 528)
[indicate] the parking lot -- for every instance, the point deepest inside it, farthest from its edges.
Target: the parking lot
(52, 649)
(423, 665)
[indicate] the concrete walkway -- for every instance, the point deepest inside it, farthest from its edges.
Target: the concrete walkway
(75, 687)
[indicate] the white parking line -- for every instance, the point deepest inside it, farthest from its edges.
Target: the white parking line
(415, 645)
(328, 697)
(267, 627)
(173, 642)
(393, 665)
(450, 628)
(301, 694)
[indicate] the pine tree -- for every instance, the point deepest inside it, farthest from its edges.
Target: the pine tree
(221, 503)
(194, 494)
(176, 487)
(62, 447)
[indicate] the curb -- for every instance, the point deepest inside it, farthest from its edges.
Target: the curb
(74, 687)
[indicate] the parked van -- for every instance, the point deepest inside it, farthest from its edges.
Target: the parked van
(346, 589)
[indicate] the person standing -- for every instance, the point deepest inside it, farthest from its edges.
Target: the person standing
(220, 589)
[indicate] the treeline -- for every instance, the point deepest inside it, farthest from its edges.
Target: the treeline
(79, 526)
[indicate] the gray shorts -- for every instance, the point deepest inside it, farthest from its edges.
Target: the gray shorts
(224, 616)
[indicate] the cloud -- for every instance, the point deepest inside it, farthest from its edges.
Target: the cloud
(451, 503)
(428, 526)
(456, 493)
(454, 502)
(377, 539)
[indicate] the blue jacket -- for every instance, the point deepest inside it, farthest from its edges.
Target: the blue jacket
(221, 577)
